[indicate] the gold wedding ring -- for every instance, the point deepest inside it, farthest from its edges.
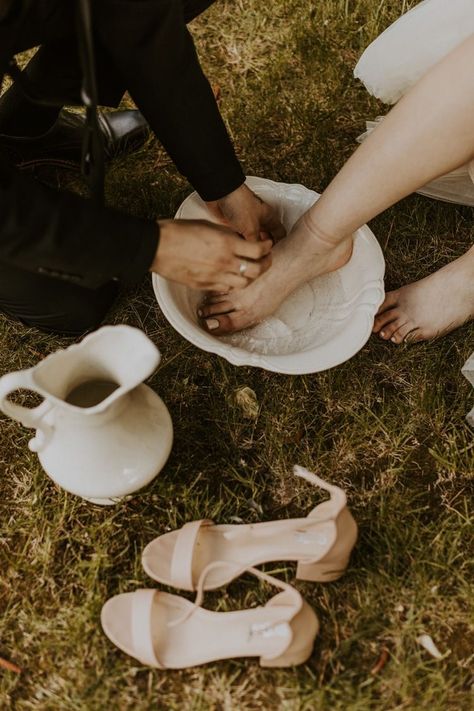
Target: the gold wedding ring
(243, 268)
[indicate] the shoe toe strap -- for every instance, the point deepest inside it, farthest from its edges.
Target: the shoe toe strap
(142, 628)
(183, 553)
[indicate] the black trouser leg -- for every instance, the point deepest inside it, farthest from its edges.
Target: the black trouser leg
(19, 116)
(49, 23)
(193, 8)
(55, 71)
(51, 304)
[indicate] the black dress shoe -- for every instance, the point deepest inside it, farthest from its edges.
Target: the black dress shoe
(123, 132)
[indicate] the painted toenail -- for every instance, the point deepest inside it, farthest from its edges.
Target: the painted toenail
(382, 333)
(212, 324)
(393, 339)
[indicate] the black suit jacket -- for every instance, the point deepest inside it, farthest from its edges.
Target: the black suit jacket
(69, 238)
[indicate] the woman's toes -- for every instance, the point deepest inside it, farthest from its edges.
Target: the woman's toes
(397, 338)
(409, 333)
(223, 324)
(406, 332)
(382, 319)
(212, 309)
(391, 328)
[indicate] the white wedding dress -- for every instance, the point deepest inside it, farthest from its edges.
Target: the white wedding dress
(402, 54)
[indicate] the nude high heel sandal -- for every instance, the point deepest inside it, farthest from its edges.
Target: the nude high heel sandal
(168, 632)
(321, 543)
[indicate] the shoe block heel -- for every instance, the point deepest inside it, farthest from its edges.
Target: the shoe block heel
(291, 658)
(324, 572)
(334, 564)
(305, 627)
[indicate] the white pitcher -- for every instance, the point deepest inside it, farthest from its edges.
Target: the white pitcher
(100, 433)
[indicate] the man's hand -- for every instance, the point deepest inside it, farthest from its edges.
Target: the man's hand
(248, 215)
(205, 256)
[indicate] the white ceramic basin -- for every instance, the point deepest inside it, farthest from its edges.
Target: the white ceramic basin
(337, 313)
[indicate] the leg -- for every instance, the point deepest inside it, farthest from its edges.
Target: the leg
(53, 305)
(52, 74)
(428, 133)
(51, 25)
(193, 8)
(35, 134)
(55, 72)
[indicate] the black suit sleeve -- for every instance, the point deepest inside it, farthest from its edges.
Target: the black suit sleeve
(150, 45)
(64, 236)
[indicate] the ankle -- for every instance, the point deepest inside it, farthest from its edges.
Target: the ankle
(325, 239)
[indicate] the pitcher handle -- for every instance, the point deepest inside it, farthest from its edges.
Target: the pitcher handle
(22, 379)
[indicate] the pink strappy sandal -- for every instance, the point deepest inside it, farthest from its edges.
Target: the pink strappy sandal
(168, 632)
(321, 543)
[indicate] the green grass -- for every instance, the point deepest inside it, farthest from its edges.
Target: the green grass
(388, 426)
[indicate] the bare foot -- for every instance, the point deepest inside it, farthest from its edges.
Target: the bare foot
(297, 259)
(430, 307)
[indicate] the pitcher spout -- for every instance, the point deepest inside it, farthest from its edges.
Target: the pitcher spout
(104, 366)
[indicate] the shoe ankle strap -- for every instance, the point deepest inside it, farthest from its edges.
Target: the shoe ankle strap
(338, 498)
(293, 594)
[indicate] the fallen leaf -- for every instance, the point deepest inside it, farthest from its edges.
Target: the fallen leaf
(427, 643)
(381, 661)
(9, 666)
(295, 437)
(246, 399)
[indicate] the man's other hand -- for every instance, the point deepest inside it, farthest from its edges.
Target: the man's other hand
(248, 215)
